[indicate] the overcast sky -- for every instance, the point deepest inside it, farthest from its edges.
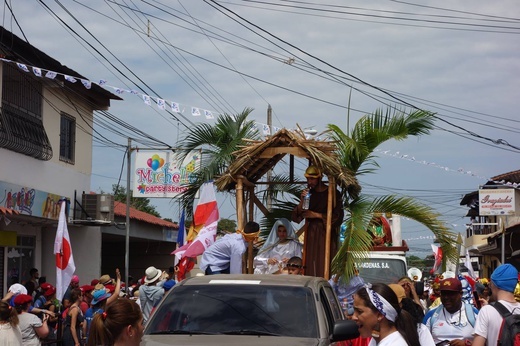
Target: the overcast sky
(457, 59)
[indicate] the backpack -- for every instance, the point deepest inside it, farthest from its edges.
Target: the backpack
(470, 314)
(509, 334)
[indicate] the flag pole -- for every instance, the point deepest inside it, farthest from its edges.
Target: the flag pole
(127, 237)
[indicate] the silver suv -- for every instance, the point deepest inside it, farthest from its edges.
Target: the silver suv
(249, 310)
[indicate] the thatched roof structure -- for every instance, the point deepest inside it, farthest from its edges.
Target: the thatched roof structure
(255, 160)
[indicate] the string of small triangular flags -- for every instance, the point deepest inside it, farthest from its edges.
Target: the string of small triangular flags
(398, 155)
(264, 129)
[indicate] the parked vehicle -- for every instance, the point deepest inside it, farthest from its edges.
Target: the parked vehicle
(249, 310)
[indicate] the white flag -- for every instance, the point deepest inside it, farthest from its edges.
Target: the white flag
(175, 107)
(266, 130)
(69, 78)
(63, 250)
(146, 100)
(160, 104)
(102, 82)
(469, 265)
(37, 71)
(208, 114)
(50, 74)
(22, 67)
(195, 111)
(86, 83)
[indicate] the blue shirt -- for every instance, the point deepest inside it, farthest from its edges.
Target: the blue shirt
(225, 253)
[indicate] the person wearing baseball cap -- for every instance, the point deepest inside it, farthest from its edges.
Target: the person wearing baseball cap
(31, 326)
(87, 297)
(453, 320)
(502, 284)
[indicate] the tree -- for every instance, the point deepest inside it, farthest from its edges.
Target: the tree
(227, 225)
(142, 204)
(356, 153)
(415, 261)
(218, 142)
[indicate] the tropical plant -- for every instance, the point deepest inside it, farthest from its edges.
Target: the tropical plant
(142, 204)
(356, 152)
(217, 143)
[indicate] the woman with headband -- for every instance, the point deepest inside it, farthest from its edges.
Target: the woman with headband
(378, 315)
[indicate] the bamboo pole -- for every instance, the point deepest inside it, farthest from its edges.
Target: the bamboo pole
(328, 228)
(240, 204)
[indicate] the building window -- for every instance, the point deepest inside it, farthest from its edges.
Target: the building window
(21, 126)
(67, 138)
(20, 260)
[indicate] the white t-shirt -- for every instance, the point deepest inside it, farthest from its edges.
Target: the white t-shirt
(489, 321)
(448, 326)
(393, 339)
(9, 335)
(425, 337)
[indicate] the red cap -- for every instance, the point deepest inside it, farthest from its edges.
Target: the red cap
(86, 288)
(451, 284)
(110, 288)
(49, 292)
(45, 286)
(22, 299)
(94, 282)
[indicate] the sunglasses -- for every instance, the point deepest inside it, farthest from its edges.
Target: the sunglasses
(292, 265)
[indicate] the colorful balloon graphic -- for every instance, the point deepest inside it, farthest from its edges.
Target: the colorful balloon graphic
(155, 162)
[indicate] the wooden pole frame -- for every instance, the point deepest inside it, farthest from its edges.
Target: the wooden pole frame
(328, 226)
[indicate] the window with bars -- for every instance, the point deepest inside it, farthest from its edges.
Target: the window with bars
(67, 138)
(21, 125)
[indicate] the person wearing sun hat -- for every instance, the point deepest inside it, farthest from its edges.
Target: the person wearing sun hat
(99, 302)
(105, 282)
(407, 304)
(502, 284)
(150, 293)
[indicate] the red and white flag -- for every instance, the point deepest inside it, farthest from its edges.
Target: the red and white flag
(205, 220)
(437, 252)
(64, 260)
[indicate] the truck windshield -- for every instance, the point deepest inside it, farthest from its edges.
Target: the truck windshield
(384, 270)
(237, 309)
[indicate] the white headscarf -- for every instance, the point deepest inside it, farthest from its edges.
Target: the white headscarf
(273, 239)
(381, 304)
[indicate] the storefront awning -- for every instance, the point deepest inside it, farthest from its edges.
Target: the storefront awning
(8, 211)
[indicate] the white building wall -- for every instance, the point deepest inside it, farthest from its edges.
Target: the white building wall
(86, 249)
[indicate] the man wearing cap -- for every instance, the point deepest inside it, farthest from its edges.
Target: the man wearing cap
(502, 284)
(453, 320)
(225, 255)
(315, 220)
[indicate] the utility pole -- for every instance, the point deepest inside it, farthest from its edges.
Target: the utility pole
(127, 238)
(269, 172)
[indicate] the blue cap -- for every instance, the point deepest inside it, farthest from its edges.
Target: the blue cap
(505, 277)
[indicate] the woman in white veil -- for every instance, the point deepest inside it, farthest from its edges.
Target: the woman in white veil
(279, 247)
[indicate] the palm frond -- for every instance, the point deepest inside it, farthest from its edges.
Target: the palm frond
(358, 240)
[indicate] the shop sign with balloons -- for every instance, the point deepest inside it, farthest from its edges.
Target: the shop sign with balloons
(160, 174)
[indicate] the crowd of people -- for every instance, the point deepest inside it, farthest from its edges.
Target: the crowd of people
(396, 314)
(102, 312)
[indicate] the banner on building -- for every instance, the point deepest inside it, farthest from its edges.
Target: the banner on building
(160, 174)
(499, 202)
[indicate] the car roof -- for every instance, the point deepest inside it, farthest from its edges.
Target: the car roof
(254, 279)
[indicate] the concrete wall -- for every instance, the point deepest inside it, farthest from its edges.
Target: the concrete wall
(86, 249)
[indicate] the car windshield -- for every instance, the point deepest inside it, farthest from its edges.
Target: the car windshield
(383, 270)
(237, 309)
